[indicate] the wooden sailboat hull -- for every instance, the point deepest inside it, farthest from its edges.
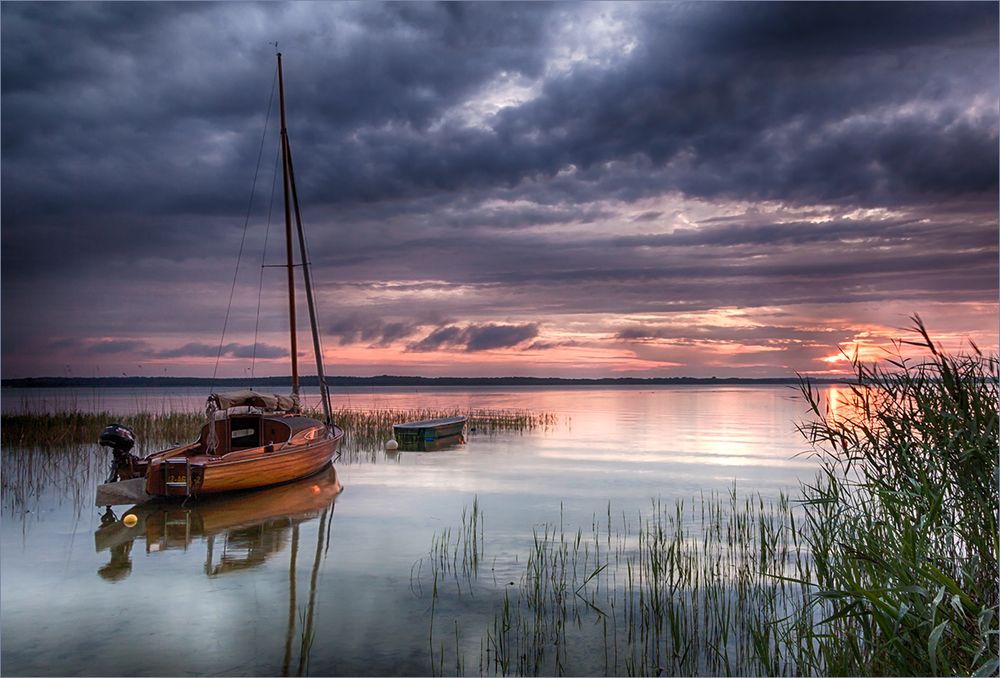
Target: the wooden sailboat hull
(184, 472)
(278, 467)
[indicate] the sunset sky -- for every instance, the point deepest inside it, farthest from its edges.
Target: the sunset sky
(579, 190)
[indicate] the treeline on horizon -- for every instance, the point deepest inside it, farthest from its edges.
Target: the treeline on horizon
(389, 380)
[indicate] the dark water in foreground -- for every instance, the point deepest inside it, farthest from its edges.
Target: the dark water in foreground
(299, 579)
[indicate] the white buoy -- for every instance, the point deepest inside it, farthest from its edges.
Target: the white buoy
(391, 445)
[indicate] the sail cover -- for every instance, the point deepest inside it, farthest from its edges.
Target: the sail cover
(274, 402)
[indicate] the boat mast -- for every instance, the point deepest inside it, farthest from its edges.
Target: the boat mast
(310, 300)
(317, 350)
(288, 235)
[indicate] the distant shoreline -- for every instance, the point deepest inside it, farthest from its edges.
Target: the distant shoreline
(390, 380)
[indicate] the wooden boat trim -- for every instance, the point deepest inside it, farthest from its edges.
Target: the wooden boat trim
(257, 453)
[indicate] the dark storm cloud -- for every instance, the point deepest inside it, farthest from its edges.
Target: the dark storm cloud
(684, 285)
(547, 345)
(354, 328)
(260, 351)
(191, 350)
(233, 350)
(392, 332)
(864, 120)
(783, 30)
(122, 115)
(471, 145)
(776, 115)
(442, 336)
(486, 337)
(476, 337)
(744, 260)
(772, 235)
(126, 91)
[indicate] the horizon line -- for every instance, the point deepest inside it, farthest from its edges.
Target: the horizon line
(395, 380)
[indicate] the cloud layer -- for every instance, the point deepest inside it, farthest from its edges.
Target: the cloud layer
(517, 188)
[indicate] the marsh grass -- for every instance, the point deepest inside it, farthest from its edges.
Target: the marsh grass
(886, 564)
(681, 589)
(366, 430)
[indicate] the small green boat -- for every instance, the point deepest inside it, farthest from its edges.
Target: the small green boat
(429, 434)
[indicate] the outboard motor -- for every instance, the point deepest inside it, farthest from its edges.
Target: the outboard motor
(121, 440)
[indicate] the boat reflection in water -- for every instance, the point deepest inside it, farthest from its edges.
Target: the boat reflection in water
(252, 526)
(241, 531)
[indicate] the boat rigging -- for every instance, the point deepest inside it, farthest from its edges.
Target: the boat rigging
(251, 439)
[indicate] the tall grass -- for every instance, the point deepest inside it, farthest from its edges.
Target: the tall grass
(903, 519)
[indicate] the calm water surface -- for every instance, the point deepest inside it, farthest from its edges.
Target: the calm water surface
(299, 579)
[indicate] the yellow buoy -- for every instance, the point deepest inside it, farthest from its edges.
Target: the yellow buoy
(130, 520)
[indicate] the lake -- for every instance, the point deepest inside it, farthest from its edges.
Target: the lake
(300, 579)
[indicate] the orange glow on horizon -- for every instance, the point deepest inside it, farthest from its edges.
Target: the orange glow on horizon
(723, 342)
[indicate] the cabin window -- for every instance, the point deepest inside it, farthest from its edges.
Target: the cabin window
(245, 432)
(274, 432)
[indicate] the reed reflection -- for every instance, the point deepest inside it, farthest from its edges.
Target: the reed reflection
(33, 475)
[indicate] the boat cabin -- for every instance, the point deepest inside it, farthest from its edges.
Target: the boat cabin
(243, 432)
(250, 431)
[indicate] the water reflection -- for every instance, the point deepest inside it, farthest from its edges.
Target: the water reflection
(251, 574)
(241, 531)
(449, 443)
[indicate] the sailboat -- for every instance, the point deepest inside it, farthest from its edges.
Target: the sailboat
(250, 440)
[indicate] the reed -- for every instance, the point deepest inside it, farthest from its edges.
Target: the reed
(365, 430)
(457, 554)
(686, 588)
(903, 518)
(70, 428)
